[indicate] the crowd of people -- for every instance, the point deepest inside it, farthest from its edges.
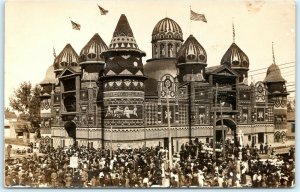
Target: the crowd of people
(194, 166)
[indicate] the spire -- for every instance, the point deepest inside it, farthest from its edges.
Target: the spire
(54, 53)
(233, 31)
(273, 53)
(123, 27)
(123, 39)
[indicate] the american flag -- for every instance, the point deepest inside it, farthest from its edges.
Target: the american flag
(198, 17)
(75, 26)
(103, 11)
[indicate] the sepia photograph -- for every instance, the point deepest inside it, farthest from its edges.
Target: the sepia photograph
(149, 94)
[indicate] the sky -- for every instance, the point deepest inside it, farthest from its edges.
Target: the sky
(33, 28)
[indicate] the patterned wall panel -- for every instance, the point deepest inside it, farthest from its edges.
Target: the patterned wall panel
(260, 92)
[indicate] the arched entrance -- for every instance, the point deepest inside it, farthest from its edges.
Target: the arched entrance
(70, 127)
(227, 124)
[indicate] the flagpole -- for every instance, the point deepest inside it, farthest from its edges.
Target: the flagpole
(233, 30)
(190, 19)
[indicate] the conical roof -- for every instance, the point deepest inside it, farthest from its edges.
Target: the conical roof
(274, 74)
(49, 77)
(92, 50)
(123, 39)
(191, 52)
(66, 58)
(235, 57)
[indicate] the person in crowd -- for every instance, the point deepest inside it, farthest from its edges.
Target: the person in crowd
(149, 166)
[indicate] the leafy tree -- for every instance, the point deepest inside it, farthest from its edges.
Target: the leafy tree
(26, 101)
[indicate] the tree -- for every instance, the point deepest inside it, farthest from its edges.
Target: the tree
(26, 101)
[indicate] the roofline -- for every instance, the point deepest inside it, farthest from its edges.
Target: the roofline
(110, 51)
(192, 63)
(167, 39)
(166, 58)
(91, 62)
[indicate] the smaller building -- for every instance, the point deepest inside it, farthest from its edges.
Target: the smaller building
(291, 125)
(9, 118)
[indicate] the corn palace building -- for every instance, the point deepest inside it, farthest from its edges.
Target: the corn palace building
(106, 96)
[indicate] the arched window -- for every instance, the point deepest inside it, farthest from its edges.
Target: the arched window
(162, 50)
(170, 50)
(277, 137)
(155, 51)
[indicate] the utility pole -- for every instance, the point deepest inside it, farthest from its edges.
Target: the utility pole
(190, 111)
(214, 127)
(111, 142)
(169, 128)
(223, 132)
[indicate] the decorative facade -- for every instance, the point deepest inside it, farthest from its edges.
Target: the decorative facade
(106, 96)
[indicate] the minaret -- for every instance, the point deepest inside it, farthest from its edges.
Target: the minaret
(277, 94)
(123, 81)
(237, 59)
(191, 61)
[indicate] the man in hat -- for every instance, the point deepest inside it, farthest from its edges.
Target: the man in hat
(68, 180)
(8, 179)
(54, 177)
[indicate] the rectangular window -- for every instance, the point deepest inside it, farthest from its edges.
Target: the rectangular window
(261, 137)
(293, 127)
(69, 84)
(249, 137)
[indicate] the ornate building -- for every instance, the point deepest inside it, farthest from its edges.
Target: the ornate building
(106, 95)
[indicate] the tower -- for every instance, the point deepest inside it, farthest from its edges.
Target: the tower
(45, 98)
(166, 39)
(191, 61)
(277, 94)
(65, 97)
(123, 81)
(92, 67)
(235, 58)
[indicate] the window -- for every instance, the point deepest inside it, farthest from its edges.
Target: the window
(249, 137)
(70, 103)
(293, 127)
(261, 137)
(69, 84)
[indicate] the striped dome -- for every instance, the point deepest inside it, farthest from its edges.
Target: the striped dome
(167, 29)
(191, 51)
(92, 50)
(67, 58)
(235, 57)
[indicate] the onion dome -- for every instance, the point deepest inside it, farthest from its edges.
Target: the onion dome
(235, 57)
(123, 39)
(167, 29)
(50, 76)
(274, 75)
(92, 50)
(191, 52)
(67, 58)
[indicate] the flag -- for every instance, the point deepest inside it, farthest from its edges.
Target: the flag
(198, 17)
(75, 26)
(103, 11)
